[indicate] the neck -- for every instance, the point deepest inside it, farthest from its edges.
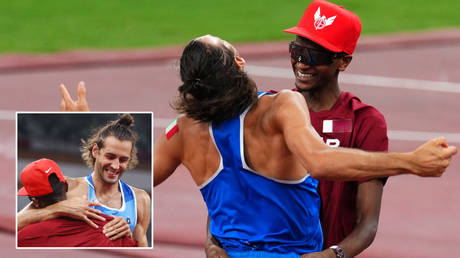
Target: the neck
(322, 98)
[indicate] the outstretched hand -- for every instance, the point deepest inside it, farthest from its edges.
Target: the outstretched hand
(68, 104)
(433, 157)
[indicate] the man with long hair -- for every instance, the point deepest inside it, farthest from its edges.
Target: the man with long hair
(109, 152)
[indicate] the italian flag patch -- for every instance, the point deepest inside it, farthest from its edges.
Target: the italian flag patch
(171, 129)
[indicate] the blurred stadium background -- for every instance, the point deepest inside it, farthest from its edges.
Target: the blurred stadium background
(50, 25)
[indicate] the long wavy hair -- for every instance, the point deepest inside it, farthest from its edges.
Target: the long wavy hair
(214, 88)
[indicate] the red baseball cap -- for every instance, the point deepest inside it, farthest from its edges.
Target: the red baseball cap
(35, 175)
(330, 26)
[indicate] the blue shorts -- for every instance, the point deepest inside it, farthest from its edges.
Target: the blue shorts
(260, 254)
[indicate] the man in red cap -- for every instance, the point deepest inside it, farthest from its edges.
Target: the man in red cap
(45, 185)
(326, 38)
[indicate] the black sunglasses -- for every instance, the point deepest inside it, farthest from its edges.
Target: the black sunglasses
(311, 56)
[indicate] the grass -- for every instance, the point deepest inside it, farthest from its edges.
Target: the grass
(50, 25)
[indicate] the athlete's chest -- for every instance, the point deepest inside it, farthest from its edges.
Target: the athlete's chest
(113, 200)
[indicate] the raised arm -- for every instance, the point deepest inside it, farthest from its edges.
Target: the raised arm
(429, 160)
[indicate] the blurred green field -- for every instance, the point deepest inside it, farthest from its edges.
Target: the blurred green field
(51, 25)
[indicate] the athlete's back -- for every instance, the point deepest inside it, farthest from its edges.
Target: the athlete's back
(265, 147)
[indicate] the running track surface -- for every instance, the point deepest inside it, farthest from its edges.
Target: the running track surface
(413, 80)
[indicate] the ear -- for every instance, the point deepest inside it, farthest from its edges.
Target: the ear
(95, 150)
(240, 62)
(344, 62)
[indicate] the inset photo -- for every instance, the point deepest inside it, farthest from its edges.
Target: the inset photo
(84, 180)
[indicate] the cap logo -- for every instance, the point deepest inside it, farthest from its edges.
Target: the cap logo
(322, 21)
(47, 171)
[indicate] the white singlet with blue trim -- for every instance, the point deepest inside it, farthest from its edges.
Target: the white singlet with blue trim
(128, 208)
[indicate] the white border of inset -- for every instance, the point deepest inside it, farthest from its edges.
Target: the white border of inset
(6, 116)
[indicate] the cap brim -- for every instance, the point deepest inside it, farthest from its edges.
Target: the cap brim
(23, 192)
(304, 33)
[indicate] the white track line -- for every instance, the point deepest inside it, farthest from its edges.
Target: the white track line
(401, 135)
(7, 115)
(421, 136)
(161, 123)
(367, 80)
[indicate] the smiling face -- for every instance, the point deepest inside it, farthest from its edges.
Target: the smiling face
(313, 77)
(112, 159)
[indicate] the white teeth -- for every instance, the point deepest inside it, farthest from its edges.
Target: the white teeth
(304, 75)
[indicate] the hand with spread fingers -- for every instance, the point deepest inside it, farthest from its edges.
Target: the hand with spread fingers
(79, 208)
(68, 104)
(433, 157)
(116, 228)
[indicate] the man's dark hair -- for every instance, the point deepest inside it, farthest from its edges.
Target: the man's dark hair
(214, 88)
(120, 129)
(58, 194)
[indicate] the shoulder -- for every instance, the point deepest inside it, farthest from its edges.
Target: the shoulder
(143, 203)
(189, 126)
(141, 195)
(363, 112)
(370, 127)
(284, 101)
(75, 182)
(287, 95)
(369, 115)
(282, 109)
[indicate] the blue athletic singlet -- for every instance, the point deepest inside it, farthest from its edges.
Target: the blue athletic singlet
(250, 212)
(128, 209)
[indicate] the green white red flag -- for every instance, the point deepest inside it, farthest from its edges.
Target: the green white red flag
(171, 129)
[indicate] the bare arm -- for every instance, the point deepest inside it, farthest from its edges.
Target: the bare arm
(368, 209)
(369, 198)
(323, 162)
(77, 208)
(30, 215)
(167, 157)
(143, 217)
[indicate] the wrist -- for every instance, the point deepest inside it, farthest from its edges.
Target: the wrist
(54, 210)
(338, 251)
(409, 162)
